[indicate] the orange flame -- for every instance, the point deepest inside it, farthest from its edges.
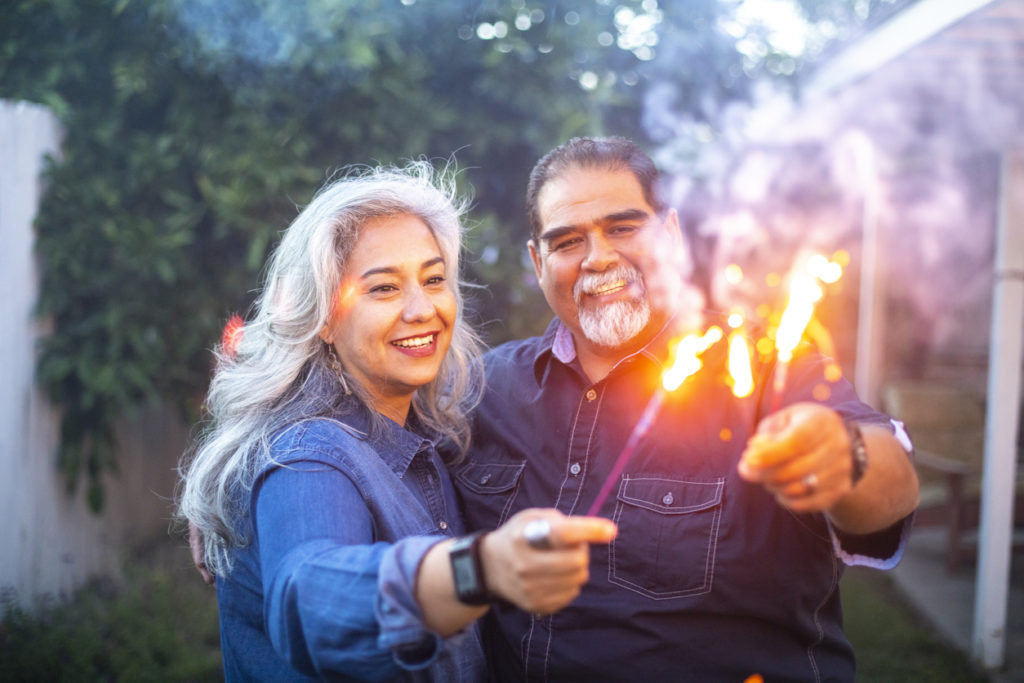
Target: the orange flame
(739, 366)
(687, 357)
(804, 292)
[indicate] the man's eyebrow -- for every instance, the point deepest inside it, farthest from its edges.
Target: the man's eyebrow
(554, 234)
(626, 215)
(391, 270)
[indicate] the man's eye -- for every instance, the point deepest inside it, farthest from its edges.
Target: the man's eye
(623, 229)
(562, 244)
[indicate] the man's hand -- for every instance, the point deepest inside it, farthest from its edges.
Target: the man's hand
(801, 455)
(195, 544)
(542, 580)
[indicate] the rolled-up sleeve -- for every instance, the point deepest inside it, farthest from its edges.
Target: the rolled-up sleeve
(334, 601)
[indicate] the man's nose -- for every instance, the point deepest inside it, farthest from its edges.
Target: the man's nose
(417, 306)
(600, 253)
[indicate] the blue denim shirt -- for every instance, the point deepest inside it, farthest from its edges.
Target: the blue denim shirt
(325, 588)
(709, 578)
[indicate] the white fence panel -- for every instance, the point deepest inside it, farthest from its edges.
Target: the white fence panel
(50, 543)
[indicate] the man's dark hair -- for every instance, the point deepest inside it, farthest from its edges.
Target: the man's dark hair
(613, 153)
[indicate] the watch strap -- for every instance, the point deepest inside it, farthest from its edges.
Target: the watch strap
(858, 452)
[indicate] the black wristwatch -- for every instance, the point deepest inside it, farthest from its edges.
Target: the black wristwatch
(468, 570)
(858, 452)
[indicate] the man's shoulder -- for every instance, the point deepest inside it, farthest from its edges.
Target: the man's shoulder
(514, 354)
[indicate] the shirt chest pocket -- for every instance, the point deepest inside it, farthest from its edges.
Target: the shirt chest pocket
(488, 490)
(668, 532)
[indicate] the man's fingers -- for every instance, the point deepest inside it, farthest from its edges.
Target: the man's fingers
(570, 531)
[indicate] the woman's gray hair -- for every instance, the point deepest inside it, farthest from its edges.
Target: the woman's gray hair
(280, 369)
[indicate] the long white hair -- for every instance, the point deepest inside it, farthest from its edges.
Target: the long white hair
(280, 369)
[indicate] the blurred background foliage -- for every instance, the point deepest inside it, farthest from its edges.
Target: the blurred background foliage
(194, 131)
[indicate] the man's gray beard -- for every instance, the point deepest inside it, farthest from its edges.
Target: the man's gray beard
(616, 323)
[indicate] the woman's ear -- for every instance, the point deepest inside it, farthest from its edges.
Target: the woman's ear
(325, 334)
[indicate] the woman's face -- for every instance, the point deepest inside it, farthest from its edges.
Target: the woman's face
(394, 312)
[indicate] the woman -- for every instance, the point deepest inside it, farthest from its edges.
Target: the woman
(327, 513)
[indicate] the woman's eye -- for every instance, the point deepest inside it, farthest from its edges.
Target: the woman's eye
(383, 289)
(435, 280)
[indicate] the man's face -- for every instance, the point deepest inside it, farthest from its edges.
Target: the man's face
(607, 264)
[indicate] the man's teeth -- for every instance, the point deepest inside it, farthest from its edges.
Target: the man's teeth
(415, 342)
(609, 288)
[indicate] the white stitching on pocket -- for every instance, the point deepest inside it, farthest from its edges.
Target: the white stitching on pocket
(641, 506)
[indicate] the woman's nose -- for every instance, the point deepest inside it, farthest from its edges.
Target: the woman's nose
(417, 306)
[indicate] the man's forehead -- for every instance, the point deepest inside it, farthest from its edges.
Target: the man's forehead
(579, 196)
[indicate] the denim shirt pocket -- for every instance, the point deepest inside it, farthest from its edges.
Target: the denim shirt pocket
(490, 488)
(668, 533)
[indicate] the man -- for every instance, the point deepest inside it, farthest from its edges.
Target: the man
(731, 542)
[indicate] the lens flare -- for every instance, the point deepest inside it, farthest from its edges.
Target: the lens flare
(231, 336)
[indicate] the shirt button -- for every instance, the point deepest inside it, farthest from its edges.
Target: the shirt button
(484, 479)
(575, 468)
(667, 500)
(443, 525)
(591, 395)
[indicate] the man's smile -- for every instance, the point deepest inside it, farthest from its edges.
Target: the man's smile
(609, 288)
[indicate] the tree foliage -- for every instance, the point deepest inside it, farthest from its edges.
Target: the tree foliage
(194, 129)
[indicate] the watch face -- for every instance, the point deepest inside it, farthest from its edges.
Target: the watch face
(465, 576)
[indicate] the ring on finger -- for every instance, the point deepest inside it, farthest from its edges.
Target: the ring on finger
(810, 482)
(538, 534)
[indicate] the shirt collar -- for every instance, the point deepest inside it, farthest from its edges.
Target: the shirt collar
(558, 342)
(396, 445)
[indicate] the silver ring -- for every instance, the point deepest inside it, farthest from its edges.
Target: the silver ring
(810, 482)
(538, 534)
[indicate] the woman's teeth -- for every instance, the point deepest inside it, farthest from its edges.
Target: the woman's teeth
(415, 342)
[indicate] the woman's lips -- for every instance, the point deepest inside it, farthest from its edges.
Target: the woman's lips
(419, 346)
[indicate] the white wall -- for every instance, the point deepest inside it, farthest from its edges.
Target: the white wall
(50, 542)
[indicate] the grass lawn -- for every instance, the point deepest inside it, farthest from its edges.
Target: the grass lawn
(891, 642)
(160, 623)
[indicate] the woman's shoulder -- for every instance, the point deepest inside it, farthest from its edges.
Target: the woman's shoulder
(327, 439)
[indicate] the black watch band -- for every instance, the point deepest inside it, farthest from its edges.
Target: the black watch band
(858, 452)
(468, 570)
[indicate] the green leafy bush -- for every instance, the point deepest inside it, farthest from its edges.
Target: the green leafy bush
(155, 625)
(193, 129)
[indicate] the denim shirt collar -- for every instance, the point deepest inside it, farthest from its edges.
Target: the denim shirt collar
(557, 343)
(396, 445)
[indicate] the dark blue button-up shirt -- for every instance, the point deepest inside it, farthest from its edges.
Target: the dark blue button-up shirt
(709, 578)
(326, 588)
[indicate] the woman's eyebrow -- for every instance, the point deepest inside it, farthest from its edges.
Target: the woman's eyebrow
(391, 270)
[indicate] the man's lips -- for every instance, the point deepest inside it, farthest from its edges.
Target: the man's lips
(608, 289)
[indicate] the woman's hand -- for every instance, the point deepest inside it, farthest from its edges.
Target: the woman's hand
(542, 580)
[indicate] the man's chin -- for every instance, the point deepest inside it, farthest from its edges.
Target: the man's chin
(615, 329)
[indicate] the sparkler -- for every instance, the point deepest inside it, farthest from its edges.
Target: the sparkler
(686, 363)
(804, 292)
